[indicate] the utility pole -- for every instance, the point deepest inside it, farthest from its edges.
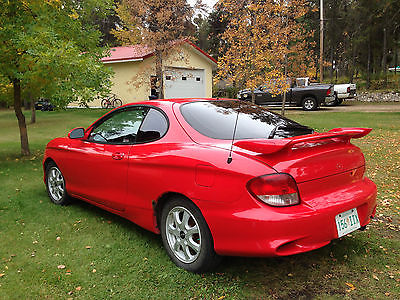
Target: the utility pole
(321, 41)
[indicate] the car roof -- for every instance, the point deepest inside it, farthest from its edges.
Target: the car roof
(161, 102)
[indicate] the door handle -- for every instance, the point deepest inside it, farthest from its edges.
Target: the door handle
(118, 155)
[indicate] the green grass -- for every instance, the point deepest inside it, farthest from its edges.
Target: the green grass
(36, 236)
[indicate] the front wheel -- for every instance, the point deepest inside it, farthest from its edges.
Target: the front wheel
(309, 103)
(186, 236)
(55, 185)
(117, 102)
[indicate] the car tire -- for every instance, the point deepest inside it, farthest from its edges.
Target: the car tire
(339, 101)
(334, 103)
(55, 185)
(309, 103)
(186, 236)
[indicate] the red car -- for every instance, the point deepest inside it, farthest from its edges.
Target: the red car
(216, 177)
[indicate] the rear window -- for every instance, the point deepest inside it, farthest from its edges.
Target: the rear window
(216, 119)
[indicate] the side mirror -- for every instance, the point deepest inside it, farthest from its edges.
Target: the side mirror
(77, 133)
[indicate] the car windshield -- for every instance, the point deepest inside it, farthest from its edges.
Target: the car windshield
(216, 119)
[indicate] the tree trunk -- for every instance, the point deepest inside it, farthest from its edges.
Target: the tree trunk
(253, 97)
(369, 64)
(33, 111)
(159, 74)
(353, 63)
(384, 56)
(21, 118)
(283, 104)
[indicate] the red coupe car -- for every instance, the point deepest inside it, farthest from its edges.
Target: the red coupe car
(216, 177)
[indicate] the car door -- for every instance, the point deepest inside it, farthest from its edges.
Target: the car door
(147, 160)
(102, 160)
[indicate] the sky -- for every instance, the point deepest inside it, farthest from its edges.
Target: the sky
(209, 3)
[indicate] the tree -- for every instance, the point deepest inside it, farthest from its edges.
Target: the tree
(265, 43)
(129, 32)
(161, 23)
(50, 48)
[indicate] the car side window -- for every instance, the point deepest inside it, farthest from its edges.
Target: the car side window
(121, 127)
(154, 126)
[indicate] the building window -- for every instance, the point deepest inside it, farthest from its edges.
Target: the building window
(168, 77)
(184, 78)
(198, 78)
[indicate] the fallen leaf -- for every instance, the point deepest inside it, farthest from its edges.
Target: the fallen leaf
(2, 274)
(58, 238)
(290, 275)
(88, 247)
(78, 288)
(61, 267)
(351, 286)
(375, 277)
(94, 270)
(222, 297)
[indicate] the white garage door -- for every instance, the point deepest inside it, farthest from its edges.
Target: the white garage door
(184, 83)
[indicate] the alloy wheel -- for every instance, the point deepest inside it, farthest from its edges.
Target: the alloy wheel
(183, 234)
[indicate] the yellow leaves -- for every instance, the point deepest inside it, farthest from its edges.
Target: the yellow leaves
(74, 15)
(351, 287)
(260, 40)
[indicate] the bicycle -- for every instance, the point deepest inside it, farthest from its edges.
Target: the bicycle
(111, 101)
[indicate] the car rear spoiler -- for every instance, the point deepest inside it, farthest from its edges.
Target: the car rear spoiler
(266, 146)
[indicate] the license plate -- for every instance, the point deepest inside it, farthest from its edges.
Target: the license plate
(347, 222)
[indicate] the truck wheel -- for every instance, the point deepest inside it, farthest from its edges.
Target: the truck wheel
(339, 101)
(309, 103)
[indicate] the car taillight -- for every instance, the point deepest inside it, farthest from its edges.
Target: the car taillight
(348, 89)
(275, 189)
(329, 92)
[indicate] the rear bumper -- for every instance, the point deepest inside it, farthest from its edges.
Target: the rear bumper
(350, 95)
(261, 230)
(329, 100)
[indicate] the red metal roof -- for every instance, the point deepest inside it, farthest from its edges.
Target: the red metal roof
(139, 52)
(128, 53)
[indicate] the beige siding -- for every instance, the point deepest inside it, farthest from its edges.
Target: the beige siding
(131, 80)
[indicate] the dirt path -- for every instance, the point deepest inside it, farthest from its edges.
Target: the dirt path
(357, 106)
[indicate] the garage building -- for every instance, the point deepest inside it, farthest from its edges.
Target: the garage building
(187, 72)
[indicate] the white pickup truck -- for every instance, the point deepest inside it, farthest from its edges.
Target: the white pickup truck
(341, 91)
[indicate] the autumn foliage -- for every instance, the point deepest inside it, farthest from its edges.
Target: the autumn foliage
(159, 23)
(265, 41)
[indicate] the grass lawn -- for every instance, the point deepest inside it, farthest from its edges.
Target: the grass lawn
(82, 252)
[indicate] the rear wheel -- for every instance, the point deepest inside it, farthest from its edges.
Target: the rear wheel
(55, 185)
(309, 103)
(186, 236)
(105, 103)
